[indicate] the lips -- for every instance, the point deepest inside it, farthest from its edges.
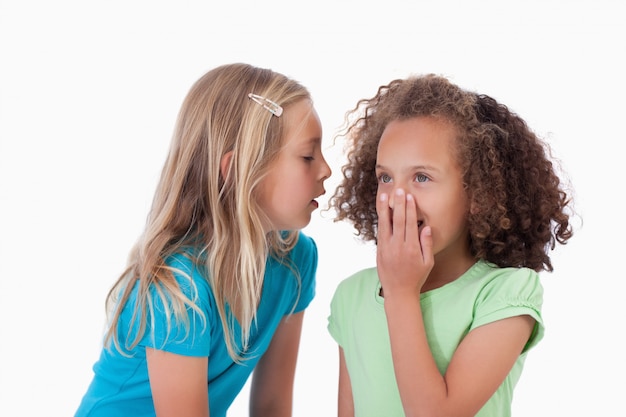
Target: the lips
(314, 202)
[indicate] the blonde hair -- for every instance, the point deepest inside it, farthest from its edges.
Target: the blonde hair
(195, 206)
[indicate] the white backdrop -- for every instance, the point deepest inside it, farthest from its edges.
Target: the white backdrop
(89, 92)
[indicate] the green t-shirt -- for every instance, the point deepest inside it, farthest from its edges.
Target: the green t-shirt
(483, 294)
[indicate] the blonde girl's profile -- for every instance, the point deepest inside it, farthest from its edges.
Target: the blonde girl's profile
(218, 282)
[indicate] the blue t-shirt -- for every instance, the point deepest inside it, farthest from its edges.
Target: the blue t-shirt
(120, 386)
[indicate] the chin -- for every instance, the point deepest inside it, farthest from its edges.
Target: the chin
(296, 225)
(303, 224)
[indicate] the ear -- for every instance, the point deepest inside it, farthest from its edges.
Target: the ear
(225, 164)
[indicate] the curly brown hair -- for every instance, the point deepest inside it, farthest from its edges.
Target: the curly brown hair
(519, 207)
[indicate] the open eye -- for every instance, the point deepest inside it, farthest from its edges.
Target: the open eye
(421, 178)
(384, 178)
(308, 158)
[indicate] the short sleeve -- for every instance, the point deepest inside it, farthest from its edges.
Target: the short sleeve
(354, 302)
(190, 336)
(335, 319)
(514, 292)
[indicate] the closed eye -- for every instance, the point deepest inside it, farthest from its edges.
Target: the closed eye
(308, 158)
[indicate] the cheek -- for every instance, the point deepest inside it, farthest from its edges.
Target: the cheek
(456, 211)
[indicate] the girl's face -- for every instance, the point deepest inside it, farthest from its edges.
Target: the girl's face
(296, 178)
(417, 155)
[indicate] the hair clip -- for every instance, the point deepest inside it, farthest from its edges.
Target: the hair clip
(267, 104)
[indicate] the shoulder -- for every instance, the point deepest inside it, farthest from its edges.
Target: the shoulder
(304, 258)
(355, 297)
(190, 275)
(361, 281)
(305, 246)
(508, 292)
(304, 254)
(517, 282)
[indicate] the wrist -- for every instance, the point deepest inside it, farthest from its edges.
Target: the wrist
(402, 296)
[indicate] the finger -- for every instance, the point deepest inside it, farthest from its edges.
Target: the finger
(412, 232)
(399, 214)
(426, 242)
(384, 222)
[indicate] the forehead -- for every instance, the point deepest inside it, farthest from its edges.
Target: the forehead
(302, 124)
(418, 140)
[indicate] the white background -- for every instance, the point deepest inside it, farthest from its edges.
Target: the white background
(89, 92)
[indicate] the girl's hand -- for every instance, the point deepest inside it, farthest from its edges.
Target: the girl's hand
(485, 355)
(404, 257)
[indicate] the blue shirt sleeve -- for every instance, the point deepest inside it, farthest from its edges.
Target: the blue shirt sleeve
(189, 335)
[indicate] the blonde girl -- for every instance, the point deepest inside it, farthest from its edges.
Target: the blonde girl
(217, 284)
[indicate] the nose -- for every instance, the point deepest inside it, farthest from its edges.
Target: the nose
(392, 196)
(325, 170)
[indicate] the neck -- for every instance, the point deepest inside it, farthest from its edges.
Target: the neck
(449, 266)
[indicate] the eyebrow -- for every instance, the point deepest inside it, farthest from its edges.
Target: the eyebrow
(312, 141)
(315, 140)
(299, 144)
(412, 168)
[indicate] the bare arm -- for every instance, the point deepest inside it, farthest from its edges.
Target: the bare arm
(478, 367)
(271, 393)
(482, 360)
(178, 384)
(345, 401)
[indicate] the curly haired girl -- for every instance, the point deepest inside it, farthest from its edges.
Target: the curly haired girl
(464, 205)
